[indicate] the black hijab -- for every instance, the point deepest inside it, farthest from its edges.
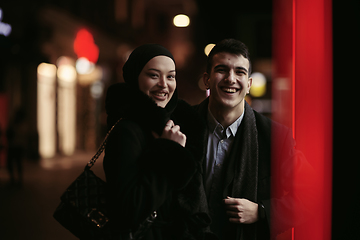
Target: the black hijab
(127, 101)
(138, 59)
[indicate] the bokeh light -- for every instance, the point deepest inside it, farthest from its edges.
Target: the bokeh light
(66, 73)
(84, 66)
(47, 70)
(46, 105)
(258, 87)
(84, 46)
(181, 20)
(208, 48)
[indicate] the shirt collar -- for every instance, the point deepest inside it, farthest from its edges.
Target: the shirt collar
(215, 126)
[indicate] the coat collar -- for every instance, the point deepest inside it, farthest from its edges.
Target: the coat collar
(215, 126)
(126, 101)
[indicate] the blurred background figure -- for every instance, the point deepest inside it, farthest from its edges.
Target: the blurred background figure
(16, 146)
(2, 144)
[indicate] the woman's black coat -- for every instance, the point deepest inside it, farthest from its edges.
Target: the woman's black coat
(145, 174)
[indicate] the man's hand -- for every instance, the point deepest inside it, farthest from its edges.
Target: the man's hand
(241, 210)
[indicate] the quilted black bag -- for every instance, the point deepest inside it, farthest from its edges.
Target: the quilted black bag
(83, 206)
(82, 209)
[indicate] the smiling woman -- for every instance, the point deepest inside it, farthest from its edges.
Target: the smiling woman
(150, 164)
(157, 79)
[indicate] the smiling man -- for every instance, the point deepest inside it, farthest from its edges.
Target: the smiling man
(237, 166)
(243, 149)
(228, 80)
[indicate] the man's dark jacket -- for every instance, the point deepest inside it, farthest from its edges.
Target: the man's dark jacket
(247, 170)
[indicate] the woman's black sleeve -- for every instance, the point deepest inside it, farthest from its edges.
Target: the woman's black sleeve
(141, 177)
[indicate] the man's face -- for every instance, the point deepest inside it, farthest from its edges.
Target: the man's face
(228, 80)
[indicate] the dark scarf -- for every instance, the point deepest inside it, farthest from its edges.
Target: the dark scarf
(124, 101)
(241, 178)
(241, 169)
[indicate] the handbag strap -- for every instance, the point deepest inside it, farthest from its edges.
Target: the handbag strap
(101, 148)
(148, 222)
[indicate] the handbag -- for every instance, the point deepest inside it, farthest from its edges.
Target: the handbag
(82, 209)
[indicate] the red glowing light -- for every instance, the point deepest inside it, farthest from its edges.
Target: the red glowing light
(84, 46)
(302, 49)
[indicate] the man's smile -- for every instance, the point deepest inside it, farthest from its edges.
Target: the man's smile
(229, 89)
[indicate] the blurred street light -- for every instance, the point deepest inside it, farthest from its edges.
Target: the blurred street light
(208, 48)
(258, 87)
(181, 20)
(84, 46)
(46, 109)
(66, 73)
(5, 29)
(67, 107)
(84, 66)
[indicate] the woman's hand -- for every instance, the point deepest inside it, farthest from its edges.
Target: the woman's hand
(172, 132)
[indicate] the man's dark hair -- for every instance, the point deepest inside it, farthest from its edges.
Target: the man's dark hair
(232, 46)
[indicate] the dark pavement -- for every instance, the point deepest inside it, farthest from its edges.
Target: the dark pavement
(26, 211)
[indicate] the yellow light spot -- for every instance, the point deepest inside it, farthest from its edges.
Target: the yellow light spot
(258, 87)
(181, 20)
(208, 48)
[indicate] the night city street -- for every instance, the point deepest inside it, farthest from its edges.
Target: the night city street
(26, 211)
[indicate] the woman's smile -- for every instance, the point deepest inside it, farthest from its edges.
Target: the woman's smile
(159, 95)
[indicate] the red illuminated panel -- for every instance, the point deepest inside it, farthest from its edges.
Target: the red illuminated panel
(302, 90)
(84, 46)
